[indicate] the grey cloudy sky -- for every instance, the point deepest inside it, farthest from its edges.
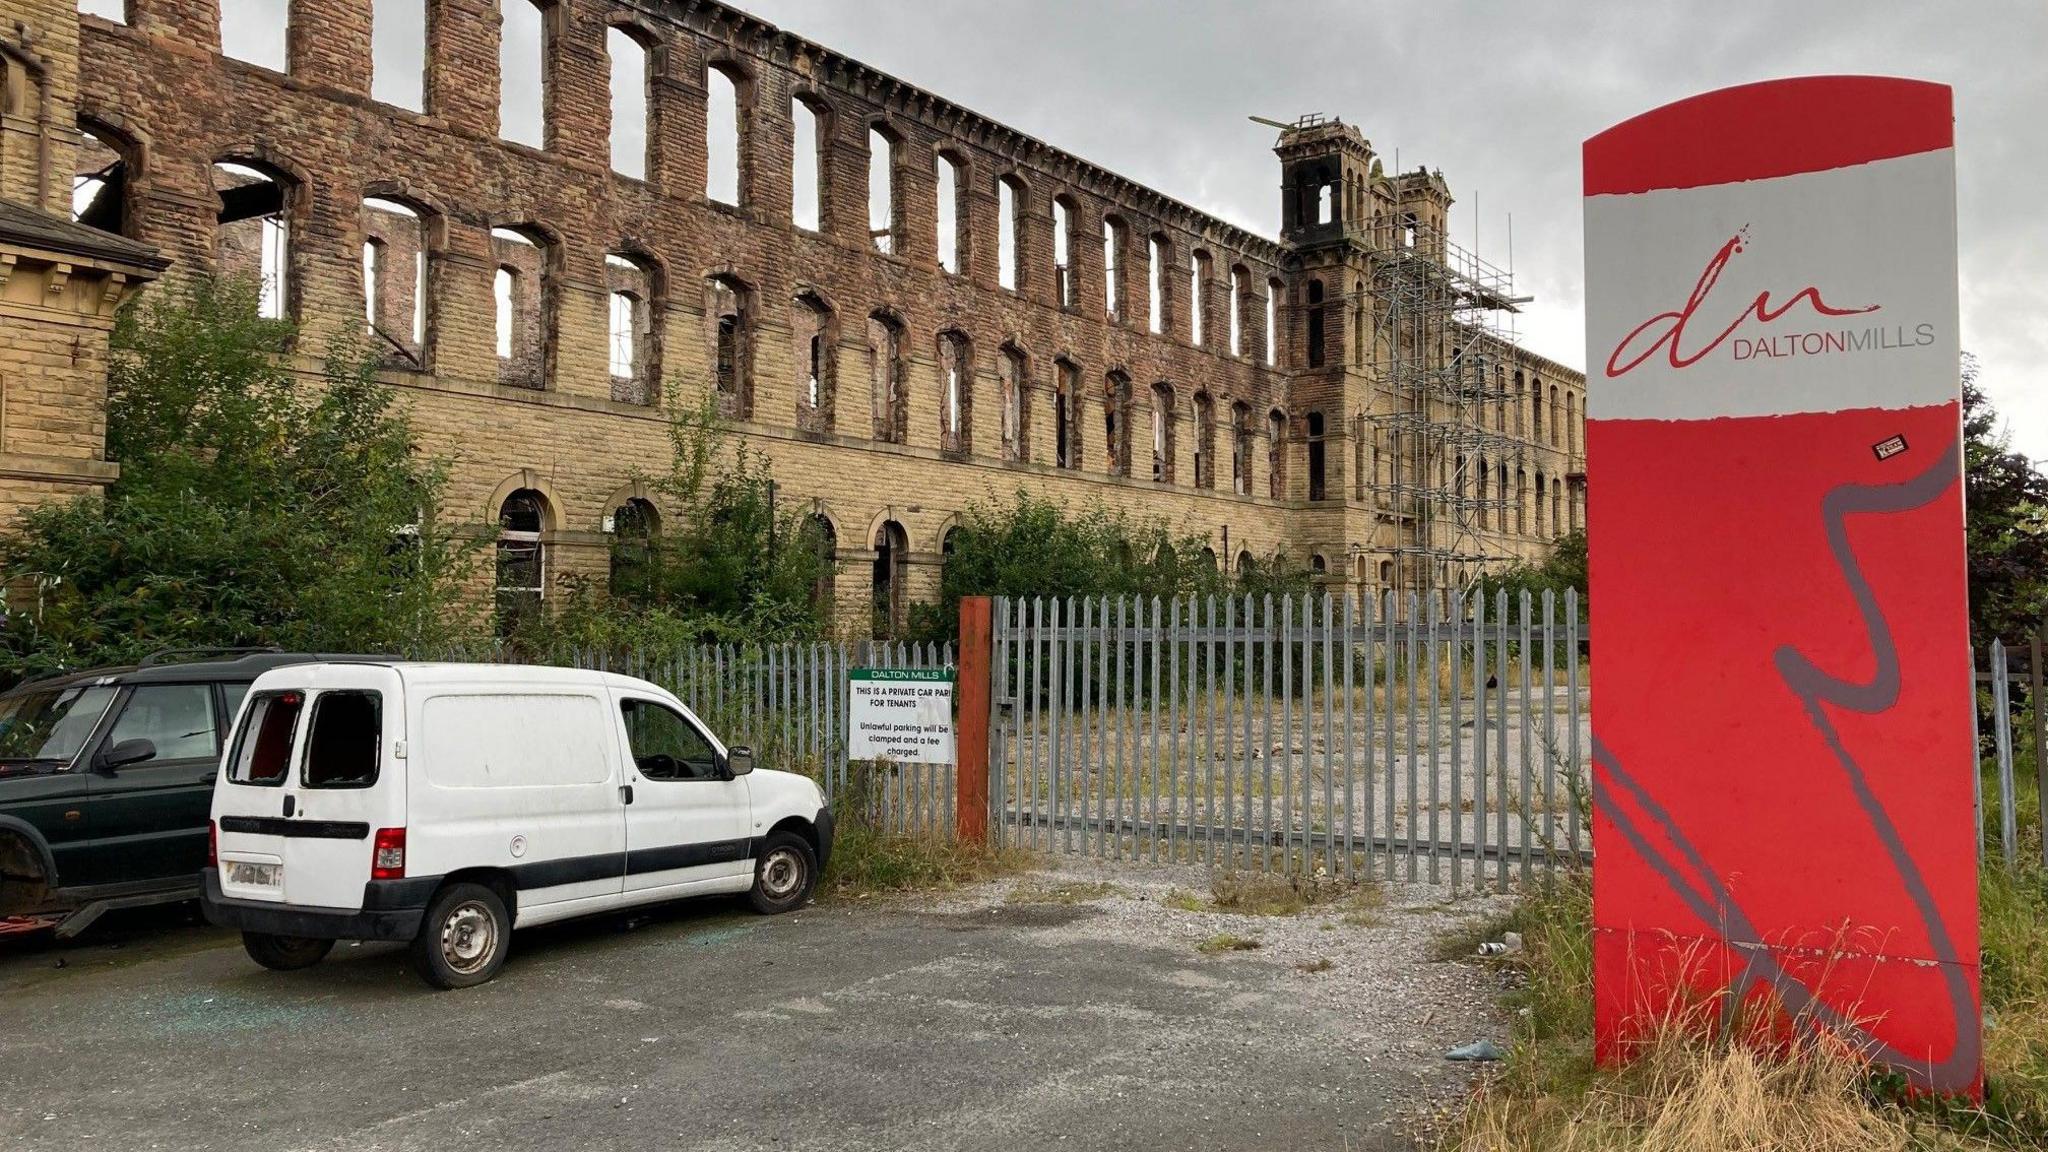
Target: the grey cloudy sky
(1497, 95)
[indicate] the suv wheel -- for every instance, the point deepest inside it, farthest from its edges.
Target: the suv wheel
(285, 953)
(463, 940)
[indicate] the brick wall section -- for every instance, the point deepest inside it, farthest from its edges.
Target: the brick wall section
(163, 81)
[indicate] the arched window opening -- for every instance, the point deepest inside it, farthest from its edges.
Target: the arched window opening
(891, 578)
(825, 543)
(1273, 290)
(1116, 407)
(395, 281)
(629, 103)
(1066, 414)
(1276, 454)
(1315, 323)
(1316, 486)
(1241, 448)
(523, 81)
(1536, 409)
(253, 241)
(1162, 433)
(1112, 267)
(1237, 278)
(1318, 565)
(956, 408)
(888, 377)
(1571, 423)
(1521, 503)
(724, 129)
(817, 360)
(522, 567)
(1205, 441)
(1386, 573)
(398, 53)
(257, 32)
(1155, 279)
(1198, 299)
(807, 150)
(882, 213)
(1009, 226)
(951, 186)
(1542, 498)
(1325, 198)
(1012, 369)
(633, 527)
(728, 306)
(1062, 258)
(100, 183)
(521, 292)
(636, 372)
(1409, 230)
(1556, 507)
(1246, 566)
(1555, 423)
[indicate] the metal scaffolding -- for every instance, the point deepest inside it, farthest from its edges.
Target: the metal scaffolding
(1443, 342)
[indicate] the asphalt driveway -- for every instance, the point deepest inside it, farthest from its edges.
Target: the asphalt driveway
(977, 1021)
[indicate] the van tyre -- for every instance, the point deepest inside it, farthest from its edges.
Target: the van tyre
(285, 953)
(464, 937)
(784, 873)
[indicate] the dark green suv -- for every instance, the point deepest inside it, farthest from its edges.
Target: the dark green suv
(106, 778)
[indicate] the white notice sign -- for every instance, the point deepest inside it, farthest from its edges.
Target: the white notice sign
(903, 715)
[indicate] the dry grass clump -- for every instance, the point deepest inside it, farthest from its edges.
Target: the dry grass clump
(1225, 942)
(1289, 893)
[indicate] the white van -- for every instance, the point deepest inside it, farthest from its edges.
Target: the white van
(447, 804)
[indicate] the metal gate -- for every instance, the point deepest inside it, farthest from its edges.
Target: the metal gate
(1299, 732)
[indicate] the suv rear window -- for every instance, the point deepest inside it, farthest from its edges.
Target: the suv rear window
(343, 744)
(263, 743)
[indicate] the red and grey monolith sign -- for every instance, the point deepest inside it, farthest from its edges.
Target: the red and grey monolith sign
(1783, 750)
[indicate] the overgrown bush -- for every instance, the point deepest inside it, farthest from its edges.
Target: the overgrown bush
(730, 564)
(251, 509)
(1032, 546)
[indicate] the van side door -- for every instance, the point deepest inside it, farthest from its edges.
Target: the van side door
(688, 822)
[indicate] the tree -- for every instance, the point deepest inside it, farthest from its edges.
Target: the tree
(1562, 570)
(2006, 502)
(250, 509)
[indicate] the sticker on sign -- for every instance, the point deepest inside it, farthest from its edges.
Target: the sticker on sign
(903, 715)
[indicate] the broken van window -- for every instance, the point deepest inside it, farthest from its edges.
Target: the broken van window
(263, 744)
(346, 736)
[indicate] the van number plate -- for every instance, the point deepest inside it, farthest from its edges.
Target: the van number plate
(254, 875)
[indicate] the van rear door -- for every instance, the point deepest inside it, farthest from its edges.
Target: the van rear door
(313, 786)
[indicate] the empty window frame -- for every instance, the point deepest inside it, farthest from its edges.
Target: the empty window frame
(634, 527)
(256, 31)
(522, 558)
(1238, 276)
(724, 127)
(1062, 250)
(628, 58)
(729, 322)
(888, 377)
(521, 294)
(952, 185)
(956, 401)
(633, 350)
(523, 83)
(395, 281)
(1241, 448)
(816, 358)
(1066, 414)
(398, 53)
(1155, 284)
(1162, 433)
(1113, 232)
(1276, 454)
(100, 190)
(1012, 376)
(807, 167)
(1009, 226)
(253, 241)
(1273, 290)
(1116, 424)
(883, 215)
(1205, 441)
(1198, 298)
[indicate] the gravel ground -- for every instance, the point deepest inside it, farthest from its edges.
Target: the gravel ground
(1068, 1007)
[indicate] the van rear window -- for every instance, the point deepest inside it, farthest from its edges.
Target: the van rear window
(263, 744)
(346, 736)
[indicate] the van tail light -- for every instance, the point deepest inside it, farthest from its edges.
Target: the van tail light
(212, 844)
(387, 857)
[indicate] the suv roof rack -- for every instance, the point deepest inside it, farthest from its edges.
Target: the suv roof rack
(169, 655)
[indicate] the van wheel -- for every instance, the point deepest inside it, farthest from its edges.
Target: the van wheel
(285, 953)
(462, 941)
(783, 874)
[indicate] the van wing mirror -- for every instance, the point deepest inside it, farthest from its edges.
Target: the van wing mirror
(128, 752)
(739, 761)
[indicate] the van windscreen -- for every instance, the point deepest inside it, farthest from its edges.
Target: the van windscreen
(263, 744)
(343, 742)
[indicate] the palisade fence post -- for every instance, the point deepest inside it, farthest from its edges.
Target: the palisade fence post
(1549, 736)
(2040, 709)
(1580, 780)
(1457, 615)
(2001, 729)
(1434, 648)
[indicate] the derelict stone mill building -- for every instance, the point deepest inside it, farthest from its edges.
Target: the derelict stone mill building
(907, 306)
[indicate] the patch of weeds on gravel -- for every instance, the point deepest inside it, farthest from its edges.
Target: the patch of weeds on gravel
(1182, 900)
(1319, 964)
(1292, 893)
(1225, 942)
